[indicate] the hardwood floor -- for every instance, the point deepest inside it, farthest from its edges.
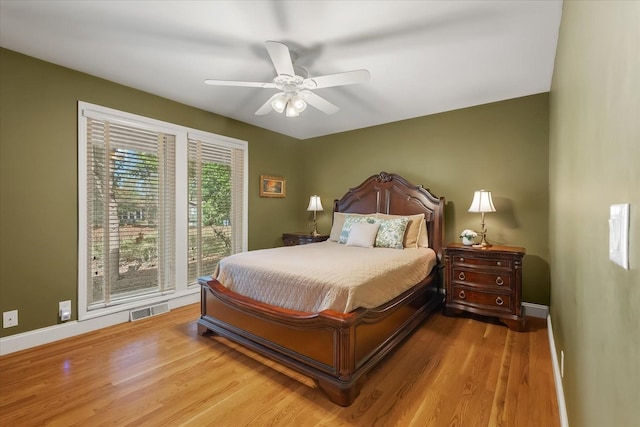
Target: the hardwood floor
(158, 371)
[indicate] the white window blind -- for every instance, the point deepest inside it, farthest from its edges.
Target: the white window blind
(158, 205)
(216, 197)
(130, 212)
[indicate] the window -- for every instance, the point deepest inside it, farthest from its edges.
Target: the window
(159, 205)
(215, 184)
(130, 211)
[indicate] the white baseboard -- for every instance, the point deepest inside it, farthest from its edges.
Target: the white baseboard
(536, 310)
(50, 334)
(562, 406)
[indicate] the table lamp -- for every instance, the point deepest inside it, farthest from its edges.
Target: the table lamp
(315, 205)
(482, 203)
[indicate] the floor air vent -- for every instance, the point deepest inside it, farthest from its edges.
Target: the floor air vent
(141, 313)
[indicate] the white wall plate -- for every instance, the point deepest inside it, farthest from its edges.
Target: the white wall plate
(619, 234)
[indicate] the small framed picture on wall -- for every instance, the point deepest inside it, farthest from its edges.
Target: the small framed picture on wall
(272, 186)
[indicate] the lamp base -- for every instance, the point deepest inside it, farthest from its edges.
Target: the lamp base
(481, 245)
(314, 232)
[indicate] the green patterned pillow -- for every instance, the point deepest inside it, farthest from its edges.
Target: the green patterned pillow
(391, 233)
(349, 221)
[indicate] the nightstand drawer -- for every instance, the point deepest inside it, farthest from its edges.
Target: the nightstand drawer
(500, 302)
(486, 262)
(486, 280)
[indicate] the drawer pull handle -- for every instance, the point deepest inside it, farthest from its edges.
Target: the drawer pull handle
(499, 281)
(499, 301)
(461, 259)
(499, 263)
(461, 276)
(462, 295)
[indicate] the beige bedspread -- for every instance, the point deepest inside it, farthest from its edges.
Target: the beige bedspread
(325, 275)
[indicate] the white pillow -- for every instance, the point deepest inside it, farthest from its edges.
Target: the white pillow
(338, 222)
(336, 227)
(363, 234)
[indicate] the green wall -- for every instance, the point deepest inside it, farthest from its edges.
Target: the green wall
(594, 162)
(38, 178)
(502, 147)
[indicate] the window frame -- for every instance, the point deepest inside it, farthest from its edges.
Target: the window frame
(182, 287)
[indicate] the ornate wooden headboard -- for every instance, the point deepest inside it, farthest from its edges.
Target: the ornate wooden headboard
(391, 194)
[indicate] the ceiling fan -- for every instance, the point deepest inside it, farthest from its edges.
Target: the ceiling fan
(296, 91)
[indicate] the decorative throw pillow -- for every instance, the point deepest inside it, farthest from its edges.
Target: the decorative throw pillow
(363, 234)
(414, 228)
(349, 221)
(391, 233)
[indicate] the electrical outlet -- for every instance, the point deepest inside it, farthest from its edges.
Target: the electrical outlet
(10, 319)
(64, 310)
(561, 363)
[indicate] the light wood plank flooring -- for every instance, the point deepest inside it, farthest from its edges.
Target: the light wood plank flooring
(158, 371)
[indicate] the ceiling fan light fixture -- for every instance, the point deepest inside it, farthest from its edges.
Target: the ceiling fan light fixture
(279, 103)
(290, 110)
(299, 104)
(291, 105)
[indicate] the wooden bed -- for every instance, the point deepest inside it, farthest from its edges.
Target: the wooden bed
(335, 349)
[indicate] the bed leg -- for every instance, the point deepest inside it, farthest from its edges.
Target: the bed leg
(343, 396)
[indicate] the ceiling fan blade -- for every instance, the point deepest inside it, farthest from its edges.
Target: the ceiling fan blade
(214, 82)
(266, 107)
(318, 102)
(339, 79)
(281, 58)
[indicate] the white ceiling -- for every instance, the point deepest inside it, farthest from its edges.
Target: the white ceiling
(425, 57)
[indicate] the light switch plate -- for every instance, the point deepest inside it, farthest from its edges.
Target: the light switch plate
(619, 234)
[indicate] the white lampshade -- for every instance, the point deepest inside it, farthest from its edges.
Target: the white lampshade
(279, 103)
(482, 202)
(290, 110)
(315, 204)
(299, 104)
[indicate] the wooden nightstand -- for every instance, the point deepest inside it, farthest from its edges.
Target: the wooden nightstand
(485, 281)
(292, 239)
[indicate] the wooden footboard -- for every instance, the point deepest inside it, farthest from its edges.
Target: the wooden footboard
(334, 349)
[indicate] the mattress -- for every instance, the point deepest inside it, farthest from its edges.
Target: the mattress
(325, 276)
